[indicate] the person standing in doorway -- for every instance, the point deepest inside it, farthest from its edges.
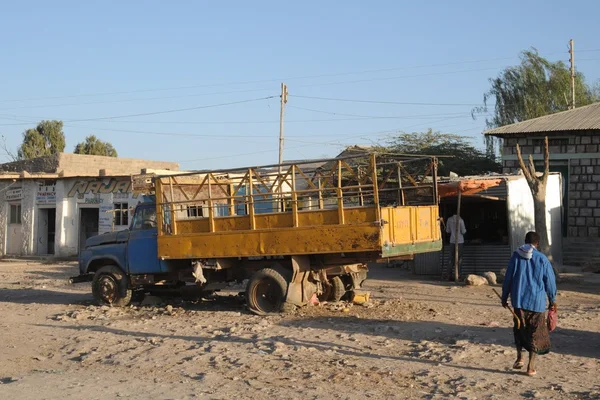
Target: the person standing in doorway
(529, 281)
(456, 241)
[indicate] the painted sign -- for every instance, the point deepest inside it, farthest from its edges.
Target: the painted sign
(105, 220)
(14, 194)
(100, 187)
(45, 195)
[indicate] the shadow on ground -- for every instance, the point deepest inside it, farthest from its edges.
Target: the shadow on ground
(42, 296)
(564, 341)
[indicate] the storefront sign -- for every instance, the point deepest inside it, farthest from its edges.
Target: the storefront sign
(14, 194)
(105, 220)
(46, 195)
(100, 187)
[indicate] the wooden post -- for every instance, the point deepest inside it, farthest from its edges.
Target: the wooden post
(340, 194)
(400, 190)
(211, 212)
(250, 201)
(456, 233)
(321, 203)
(294, 198)
(172, 207)
(375, 188)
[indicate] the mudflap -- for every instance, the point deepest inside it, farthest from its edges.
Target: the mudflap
(300, 289)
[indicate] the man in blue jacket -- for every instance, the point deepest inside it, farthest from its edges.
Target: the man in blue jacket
(530, 281)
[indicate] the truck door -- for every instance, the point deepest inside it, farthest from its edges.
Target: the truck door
(142, 248)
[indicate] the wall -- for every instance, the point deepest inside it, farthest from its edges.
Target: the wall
(85, 165)
(72, 194)
(521, 214)
(578, 153)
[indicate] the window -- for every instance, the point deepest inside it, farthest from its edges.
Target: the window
(15, 213)
(145, 218)
(121, 214)
(194, 211)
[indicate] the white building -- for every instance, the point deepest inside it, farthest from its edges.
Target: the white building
(50, 205)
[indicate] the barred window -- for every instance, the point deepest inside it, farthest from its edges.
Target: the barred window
(121, 214)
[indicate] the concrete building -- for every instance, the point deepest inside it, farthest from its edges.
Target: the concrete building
(496, 220)
(574, 142)
(50, 205)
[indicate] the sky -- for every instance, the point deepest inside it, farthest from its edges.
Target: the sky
(198, 82)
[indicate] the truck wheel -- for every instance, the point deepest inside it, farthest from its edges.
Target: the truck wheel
(335, 291)
(338, 290)
(266, 291)
(110, 287)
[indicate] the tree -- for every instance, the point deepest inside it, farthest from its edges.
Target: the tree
(96, 147)
(534, 88)
(46, 139)
(465, 159)
(537, 184)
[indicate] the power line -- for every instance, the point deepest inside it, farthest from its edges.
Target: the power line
(386, 102)
(133, 100)
(396, 77)
(172, 111)
(376, 116)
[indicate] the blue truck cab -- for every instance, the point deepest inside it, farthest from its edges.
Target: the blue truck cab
(117, 262)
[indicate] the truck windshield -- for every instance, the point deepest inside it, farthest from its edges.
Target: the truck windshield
(145, 218)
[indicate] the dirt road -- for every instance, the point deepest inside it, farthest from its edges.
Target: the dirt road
(418, 339)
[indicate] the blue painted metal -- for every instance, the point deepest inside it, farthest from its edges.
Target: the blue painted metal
(142, 252)
(135, 251)
(109, 248)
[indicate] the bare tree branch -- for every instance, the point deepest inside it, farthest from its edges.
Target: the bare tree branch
(544, 177)
(525, 170)
(7, 152)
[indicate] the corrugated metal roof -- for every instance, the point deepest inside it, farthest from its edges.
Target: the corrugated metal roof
(579, 119)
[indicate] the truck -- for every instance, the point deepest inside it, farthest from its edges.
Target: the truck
(295, 231)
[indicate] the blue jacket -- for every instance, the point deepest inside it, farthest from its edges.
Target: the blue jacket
(529, 280)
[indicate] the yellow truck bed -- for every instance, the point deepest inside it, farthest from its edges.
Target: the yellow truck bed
(367, 204)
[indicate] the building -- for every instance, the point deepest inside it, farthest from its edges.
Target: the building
(51, 205)
(496, 220)
(574, 143)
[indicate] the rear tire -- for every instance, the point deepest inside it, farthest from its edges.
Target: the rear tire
(110, 287)
(266, 291)
(338, 289)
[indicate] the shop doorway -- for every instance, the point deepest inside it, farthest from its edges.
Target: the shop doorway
(88, 224)
(46, 231)
(14, 237)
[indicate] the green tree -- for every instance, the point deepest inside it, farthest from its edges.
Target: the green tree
(464, 159)
(46, 139)
(534, 88)
(96, 147)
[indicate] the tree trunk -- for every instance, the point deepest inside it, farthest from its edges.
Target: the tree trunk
(537, 184)
(541, 226)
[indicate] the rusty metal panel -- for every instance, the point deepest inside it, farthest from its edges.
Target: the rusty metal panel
(292, 241)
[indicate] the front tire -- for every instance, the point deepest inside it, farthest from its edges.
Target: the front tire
(266, 291)
(110, 287)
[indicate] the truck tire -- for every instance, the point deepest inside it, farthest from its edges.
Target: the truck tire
(266, 291)
(338, 289)
(109, 287)
(335, 291)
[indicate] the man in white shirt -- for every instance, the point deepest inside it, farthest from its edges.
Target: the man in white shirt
(451, 229)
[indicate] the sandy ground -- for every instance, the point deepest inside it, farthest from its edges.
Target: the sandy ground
(418, 339)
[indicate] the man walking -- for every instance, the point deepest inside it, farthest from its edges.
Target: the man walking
(456, 241)
(529, 281)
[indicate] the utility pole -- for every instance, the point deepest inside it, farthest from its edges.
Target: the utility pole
(572, 60)
(284, 94)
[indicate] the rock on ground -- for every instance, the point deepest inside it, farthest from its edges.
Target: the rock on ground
(475, 280)
(490, 276)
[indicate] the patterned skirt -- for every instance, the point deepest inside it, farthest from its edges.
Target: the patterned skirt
(533, 333)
